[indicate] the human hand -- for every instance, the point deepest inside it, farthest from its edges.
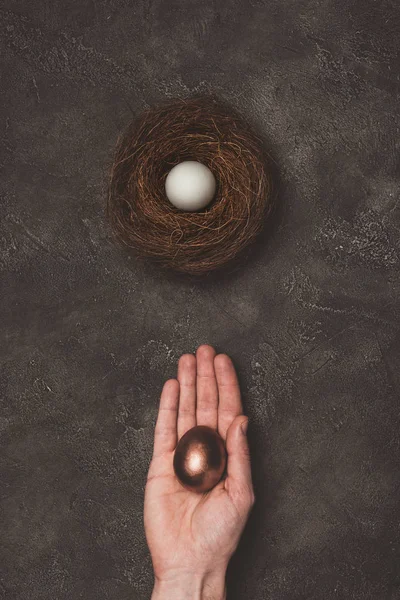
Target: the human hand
(192, 536)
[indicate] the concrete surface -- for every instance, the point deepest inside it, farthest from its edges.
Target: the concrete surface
(312, 321)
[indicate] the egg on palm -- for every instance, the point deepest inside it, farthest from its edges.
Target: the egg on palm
(200, 459)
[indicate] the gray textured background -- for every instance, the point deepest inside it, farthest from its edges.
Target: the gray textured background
(312, 321)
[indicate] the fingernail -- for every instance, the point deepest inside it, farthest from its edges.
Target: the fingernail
(244, 426)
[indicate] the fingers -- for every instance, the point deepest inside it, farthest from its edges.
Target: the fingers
(230, 404)
(207, 390)
(165, 435)
(238, 482)
(187, 399)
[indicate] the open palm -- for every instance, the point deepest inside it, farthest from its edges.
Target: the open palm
(189, 532)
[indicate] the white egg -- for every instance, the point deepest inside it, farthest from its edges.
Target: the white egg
(190, 186)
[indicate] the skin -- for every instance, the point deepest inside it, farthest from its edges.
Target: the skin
(193, 536)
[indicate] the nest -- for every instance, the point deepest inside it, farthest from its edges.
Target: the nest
(143, 219)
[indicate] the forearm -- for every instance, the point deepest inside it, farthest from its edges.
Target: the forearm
(191, 586)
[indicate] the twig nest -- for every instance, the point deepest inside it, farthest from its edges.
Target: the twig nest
(202, 130)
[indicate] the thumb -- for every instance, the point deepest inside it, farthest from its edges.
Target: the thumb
(238, 482)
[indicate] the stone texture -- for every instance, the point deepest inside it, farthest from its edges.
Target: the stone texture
(312, 321)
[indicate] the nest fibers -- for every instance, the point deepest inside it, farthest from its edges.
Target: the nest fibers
(201, 129)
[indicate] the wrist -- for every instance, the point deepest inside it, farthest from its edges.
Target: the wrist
(191, 586)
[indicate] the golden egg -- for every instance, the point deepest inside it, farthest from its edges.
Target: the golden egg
(200, 459)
